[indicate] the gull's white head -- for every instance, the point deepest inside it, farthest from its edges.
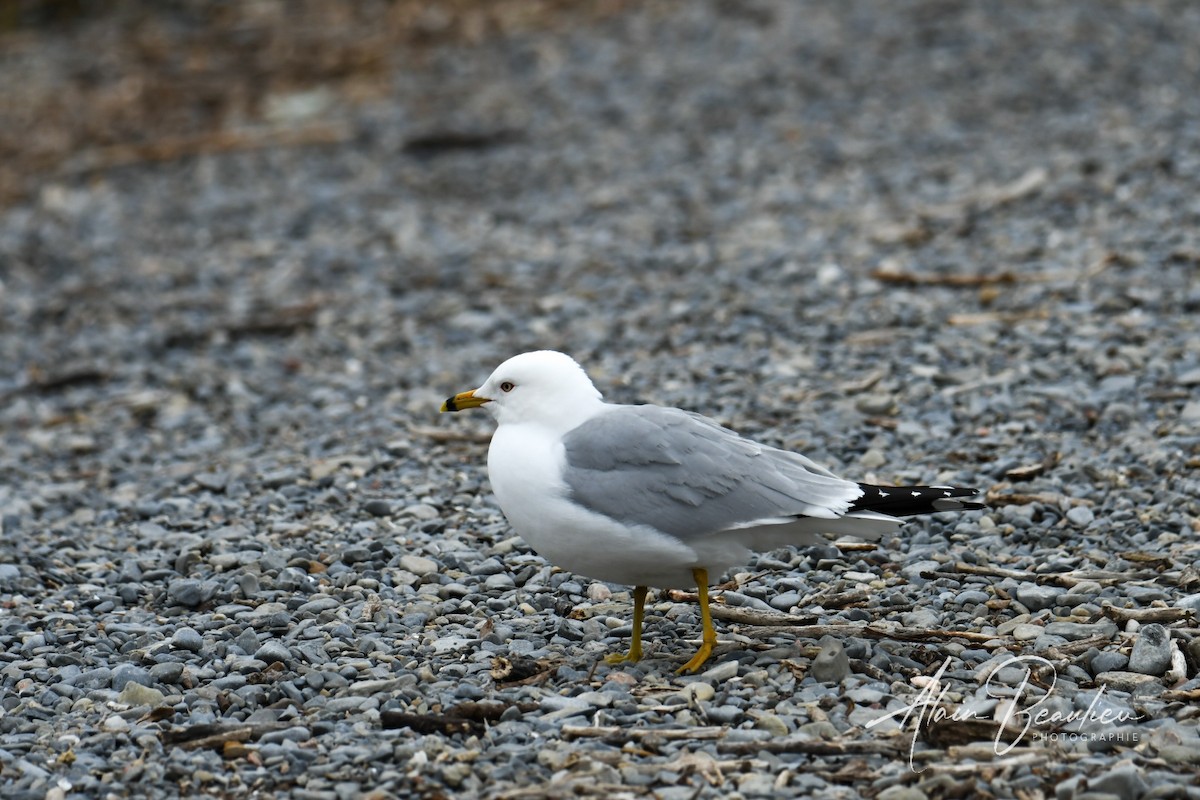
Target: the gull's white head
(543, 386)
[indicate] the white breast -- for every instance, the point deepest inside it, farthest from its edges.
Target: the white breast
(525, 464)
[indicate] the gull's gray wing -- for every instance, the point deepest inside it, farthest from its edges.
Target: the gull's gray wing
(685, 475)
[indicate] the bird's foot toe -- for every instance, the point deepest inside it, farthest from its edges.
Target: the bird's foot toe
(702, 655)
(617, 659)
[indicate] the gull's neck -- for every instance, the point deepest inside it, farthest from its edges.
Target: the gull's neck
(564, 418)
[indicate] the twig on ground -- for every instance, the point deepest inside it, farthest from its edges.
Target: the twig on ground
(630, 733)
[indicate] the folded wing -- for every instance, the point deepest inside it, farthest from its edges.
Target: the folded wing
(687, 476)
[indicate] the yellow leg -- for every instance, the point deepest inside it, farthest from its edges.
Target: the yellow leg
(635, 646)
(709, 640)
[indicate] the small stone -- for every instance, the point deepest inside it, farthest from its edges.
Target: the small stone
(279, 478)
(876, 404)
(1026, 632)
(500, 583)
(213, 481)
(1191, 601)
(297, 733)
(822, 729)
(558, 702)
(1036, 597)
(873, 459)
(721, 672)
(772, 724)
(972, 597)
(9, 573)
(355, 555)
(1080, 516)
(115, 724)
(699, 691)
(422, 511)
(125, 674)
(1126, 781)
(725, 715)
(94, 678)
(1108, 661)
(1151, 650)
(1132, 682)
(733, 598)
(418, 565)
(785, 601)
(248, 583)
(134, 694)
(914, 572)
(185, 592)
(167, 672)
(598, 592)
(902, 793)
(378, 508)
(1009, 625)
(187, 639)
(831, 665)
(273, 652)
(450, 644)
(1185, 753)
(1082, 630)
(317, 606)
(1190, 377)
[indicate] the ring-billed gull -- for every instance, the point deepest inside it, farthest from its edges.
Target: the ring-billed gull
(650, 496)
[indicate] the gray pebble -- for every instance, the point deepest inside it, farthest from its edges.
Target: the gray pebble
(831, 664)
(1082, 630)
(1126, 781)
(1036, 597)
(278, 478)
(273, 651)
(297, 733)
(972, 597)
(785, 601)
(421, 511)
(418, 565)
(186, 638)
(501, 582)
(124, 674)
(186, 592)
(721, 672)
(1132, 682)
(355, 555)
(1108, 661)
(167, 672)
(248, 583)
(1151, 653)
(378, 508)
(1080, 516)
(135, 694)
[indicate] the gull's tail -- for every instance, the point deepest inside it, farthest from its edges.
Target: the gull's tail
(907, 501)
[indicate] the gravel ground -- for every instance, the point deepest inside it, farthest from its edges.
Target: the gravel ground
(244, 556)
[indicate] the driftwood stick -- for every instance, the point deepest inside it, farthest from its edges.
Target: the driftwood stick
(618, 732)
(1067, 579)
(815, 747)
(1147, 614)
(216, 734)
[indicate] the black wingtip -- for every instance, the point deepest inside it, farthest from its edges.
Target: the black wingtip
(908, 501)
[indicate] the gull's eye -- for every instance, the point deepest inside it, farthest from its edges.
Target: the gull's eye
(507, 386)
